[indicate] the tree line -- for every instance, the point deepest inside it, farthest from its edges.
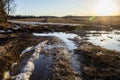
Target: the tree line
(29, 16)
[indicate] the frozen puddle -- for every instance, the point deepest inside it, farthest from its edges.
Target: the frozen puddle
(63, 36)
(107, 39)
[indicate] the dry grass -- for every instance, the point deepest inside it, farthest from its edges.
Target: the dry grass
(83, 20)
(99, 63)
(56, 20)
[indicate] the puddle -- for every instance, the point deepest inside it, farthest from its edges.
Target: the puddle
(42, 67)
(107, 39)
(76, 62)
(70, 45)
(63, 36)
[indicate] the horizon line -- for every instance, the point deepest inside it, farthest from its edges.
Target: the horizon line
(66, 15)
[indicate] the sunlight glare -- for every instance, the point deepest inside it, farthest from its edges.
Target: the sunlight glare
(106, 8)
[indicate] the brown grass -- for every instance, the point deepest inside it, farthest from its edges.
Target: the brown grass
(55, 20)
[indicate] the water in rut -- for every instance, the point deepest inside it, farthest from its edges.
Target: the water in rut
(95, 37)
(43, 64)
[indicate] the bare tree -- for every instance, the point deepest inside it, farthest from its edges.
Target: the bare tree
(10, 5)
(2, 11)
(6, 6)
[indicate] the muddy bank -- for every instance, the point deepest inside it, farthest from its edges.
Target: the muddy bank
(62, 69)
(11, 47)
(31, 27)
(56, 53)
(98, 63)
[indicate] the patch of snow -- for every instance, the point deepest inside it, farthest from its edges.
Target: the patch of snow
(17, 27)
(27, 70)
(14, 64)
(2, 31)
(26, 50)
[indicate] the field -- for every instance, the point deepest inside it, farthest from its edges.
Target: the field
(82, 19)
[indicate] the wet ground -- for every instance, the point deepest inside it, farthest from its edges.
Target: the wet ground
(99, 63)
(107, 39)
(69, 53)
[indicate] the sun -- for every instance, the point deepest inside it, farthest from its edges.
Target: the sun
(106, 8)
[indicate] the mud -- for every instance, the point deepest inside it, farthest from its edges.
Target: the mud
(62, 69)
(98, 63)
(55, 62)
(43, 66)
(11, 47)
(37, 27)
(57, 57)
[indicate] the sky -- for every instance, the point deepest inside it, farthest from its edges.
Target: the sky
(60, 7)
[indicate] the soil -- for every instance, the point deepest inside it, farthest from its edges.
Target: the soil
(10, 49)
(62, 69)
(98, 63)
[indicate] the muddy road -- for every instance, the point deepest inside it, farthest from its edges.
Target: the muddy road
(70, 53)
